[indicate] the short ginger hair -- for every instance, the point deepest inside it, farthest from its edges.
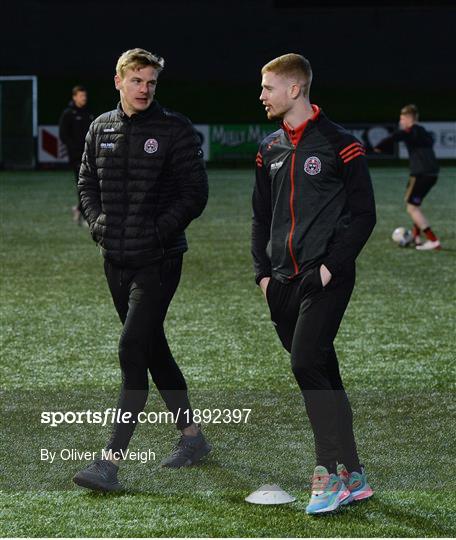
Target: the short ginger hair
(294, 66)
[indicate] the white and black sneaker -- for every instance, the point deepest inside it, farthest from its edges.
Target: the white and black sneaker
(430, 245)
(188, 450)
(100, 475)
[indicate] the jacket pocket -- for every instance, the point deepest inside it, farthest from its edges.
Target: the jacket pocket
(147, 233)
(96, 229)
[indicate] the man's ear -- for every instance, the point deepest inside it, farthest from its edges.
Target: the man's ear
(295, 91)
(117, 82)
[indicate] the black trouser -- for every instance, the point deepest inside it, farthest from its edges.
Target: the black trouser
(141, 298)
(76, 165)
(307, 318)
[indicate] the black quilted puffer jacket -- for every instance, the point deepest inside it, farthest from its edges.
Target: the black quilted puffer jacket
(142, 181)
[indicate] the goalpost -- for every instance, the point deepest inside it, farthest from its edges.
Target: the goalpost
(18, 121)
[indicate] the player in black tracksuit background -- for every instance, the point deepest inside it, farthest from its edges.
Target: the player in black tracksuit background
(424, 170)
(74, 124)
(313, 211)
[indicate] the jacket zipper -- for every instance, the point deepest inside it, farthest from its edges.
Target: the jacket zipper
(293, 219)
(125, 190)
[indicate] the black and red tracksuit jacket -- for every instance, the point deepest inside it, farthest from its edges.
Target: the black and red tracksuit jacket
(313, 201)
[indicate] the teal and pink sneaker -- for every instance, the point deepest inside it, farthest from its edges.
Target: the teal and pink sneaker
(328, 492)
(356, 483)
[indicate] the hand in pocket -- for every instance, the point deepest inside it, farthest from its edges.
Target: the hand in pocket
(264, 284)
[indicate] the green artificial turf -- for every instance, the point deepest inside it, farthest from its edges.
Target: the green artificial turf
(59, 333)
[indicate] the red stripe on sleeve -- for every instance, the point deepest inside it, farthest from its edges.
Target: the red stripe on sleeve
(350, 148)
(353, 151)
(353, 156)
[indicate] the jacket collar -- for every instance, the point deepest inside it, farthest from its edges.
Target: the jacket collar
(295, 134)
(72, 105)
(154, 111)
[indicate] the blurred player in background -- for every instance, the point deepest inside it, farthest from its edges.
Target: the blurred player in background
(313, 211)
(73, 127)
(424, 170)
(142, 182)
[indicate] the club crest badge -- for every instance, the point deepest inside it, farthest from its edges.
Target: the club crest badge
(312, 165)
(151, 146)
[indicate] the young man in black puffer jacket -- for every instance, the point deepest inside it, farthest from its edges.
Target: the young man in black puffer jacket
(142, 182)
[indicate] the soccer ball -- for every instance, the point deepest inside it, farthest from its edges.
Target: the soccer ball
(402, 236)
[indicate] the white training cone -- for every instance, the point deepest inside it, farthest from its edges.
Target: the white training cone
(270, 494)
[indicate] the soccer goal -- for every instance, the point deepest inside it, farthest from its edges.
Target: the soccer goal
(18, 121)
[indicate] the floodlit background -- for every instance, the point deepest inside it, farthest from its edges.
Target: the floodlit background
(59, 330)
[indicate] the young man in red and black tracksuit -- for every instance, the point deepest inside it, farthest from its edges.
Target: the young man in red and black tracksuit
(313, 211)
(142, 182)
(424, 171)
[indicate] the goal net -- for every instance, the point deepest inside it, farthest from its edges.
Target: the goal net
(18, 121)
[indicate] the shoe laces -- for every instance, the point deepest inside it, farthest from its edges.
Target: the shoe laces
(183, 445)
(100, 467)
(97, 464)
(319, 483)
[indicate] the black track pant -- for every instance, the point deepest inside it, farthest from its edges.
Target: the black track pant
(307, 318)
(141, 298)
(76, 165)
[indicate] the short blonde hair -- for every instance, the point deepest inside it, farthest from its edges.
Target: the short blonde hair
(291, 65)
(137, 59)
(411, 110)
